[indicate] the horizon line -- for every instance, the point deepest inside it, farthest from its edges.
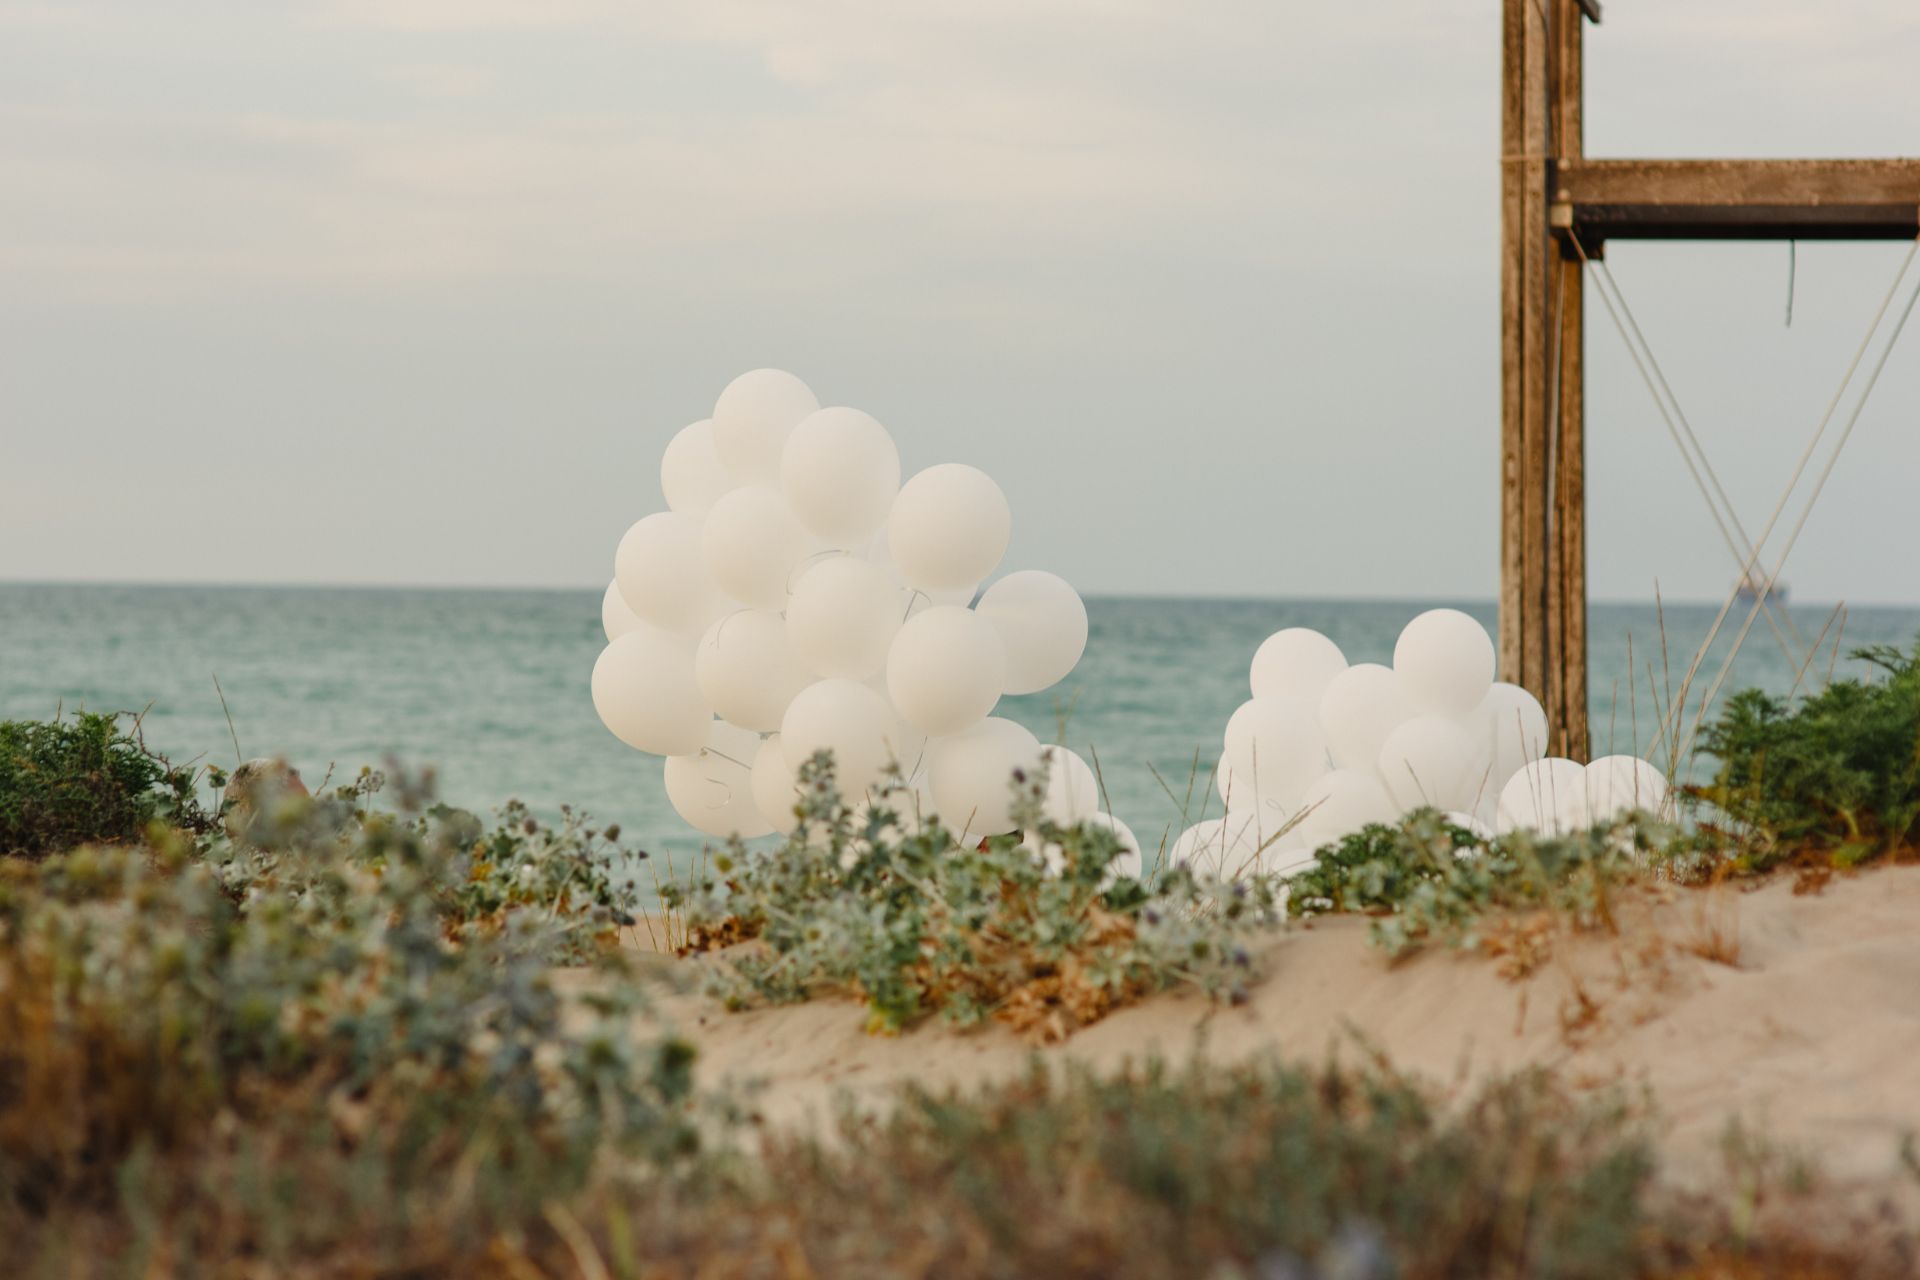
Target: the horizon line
(558, 589)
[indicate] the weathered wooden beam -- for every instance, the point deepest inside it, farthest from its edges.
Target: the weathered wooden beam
(1566, 700)
(1542, 441)
(1736, 199)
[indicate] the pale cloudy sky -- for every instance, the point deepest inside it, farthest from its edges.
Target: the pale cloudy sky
(415, 290)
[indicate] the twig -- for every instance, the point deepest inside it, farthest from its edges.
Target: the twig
(239, 756)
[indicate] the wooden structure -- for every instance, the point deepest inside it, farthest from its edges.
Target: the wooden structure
(1557, 209)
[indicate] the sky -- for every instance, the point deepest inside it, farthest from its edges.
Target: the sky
(415, 291)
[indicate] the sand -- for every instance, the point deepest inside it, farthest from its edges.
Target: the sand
(1811, 1035)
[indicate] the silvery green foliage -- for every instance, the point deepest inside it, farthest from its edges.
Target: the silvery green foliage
(570, 880)
(881, 904)
(337, 961)
(1426, 878)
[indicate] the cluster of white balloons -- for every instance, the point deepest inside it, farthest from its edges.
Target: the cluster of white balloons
(795, 596)
(1324, 748)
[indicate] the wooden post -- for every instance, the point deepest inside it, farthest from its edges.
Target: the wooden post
(1566, 700)
(1557, 209)
(1542, 524)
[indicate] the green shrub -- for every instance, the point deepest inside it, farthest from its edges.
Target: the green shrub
(1427, 878)
(574, 880)
(871, 903)
(330, 1058)
(72, 781)
(1834, 780)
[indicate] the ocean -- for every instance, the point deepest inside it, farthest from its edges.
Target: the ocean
(490, 687)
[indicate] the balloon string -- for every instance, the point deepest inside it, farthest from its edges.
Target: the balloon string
(807, 562)
(710, 751)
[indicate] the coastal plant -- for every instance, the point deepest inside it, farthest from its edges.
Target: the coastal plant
(86, 778)
(322, 1063)
(572, 879)
(1830, 781)
(1037, 931)
(1429, 879)
(1255, 1169)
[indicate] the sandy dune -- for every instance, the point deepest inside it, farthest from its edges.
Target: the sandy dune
(1813, 1035)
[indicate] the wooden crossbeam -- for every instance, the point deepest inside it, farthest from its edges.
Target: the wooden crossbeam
(1557, 208)
(1604, 200)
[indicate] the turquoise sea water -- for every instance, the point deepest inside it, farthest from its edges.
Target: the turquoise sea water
(491, 686)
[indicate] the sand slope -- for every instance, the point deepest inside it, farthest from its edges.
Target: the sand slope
(1814, 1035)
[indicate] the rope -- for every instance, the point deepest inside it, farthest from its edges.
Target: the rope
(1751, 548)
(1672, 429)
(1846, 433)
(1799, 469)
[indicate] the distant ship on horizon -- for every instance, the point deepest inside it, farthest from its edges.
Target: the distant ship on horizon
(1753, 586)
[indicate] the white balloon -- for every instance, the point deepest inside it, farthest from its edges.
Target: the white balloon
(949, 527)
(1360, 707)
(1619, 785)
(1043, 624)
(752, 419)
(1446, 660)
(1288, 856)
(854, 723)
(1297, 662)
(1128, 861)
(1431, 762)
(1513, 726)
(1548, 796)
(1340, 803)
(1228, 847)
(843, 616)
(840, 472)
(752, 546)
(747, 669)
(946, 669)
(691, 477)
(1073, 792)
(919, 601)
(1190, 845)
(644, 690)
(616, 619)
(775, 790)
(1275, 749)
(713, 789)
(911, 802)
(1469, 822)
(662, 576)
(972, 774)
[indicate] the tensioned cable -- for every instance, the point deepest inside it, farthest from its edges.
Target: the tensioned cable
(1747, 544)
(1846, 433)
(1674, 431)
(1799, 469)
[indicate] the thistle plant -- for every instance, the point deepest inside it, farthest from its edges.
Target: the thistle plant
(1033, 930)
(1427, 879)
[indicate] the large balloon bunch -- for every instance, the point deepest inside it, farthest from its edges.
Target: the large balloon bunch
(1324, 748)
(795, 596)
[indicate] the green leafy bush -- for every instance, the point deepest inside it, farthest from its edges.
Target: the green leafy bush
(1833, 780)
(71, 781)
(1427, 878)
(870, 902)
(316, 1060)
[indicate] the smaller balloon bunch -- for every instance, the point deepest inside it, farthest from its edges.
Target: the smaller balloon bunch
(796, 597)
(1324, 748)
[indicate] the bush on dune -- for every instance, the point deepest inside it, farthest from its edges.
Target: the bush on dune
(1832, 781)
(871, 902)
(66, 782)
